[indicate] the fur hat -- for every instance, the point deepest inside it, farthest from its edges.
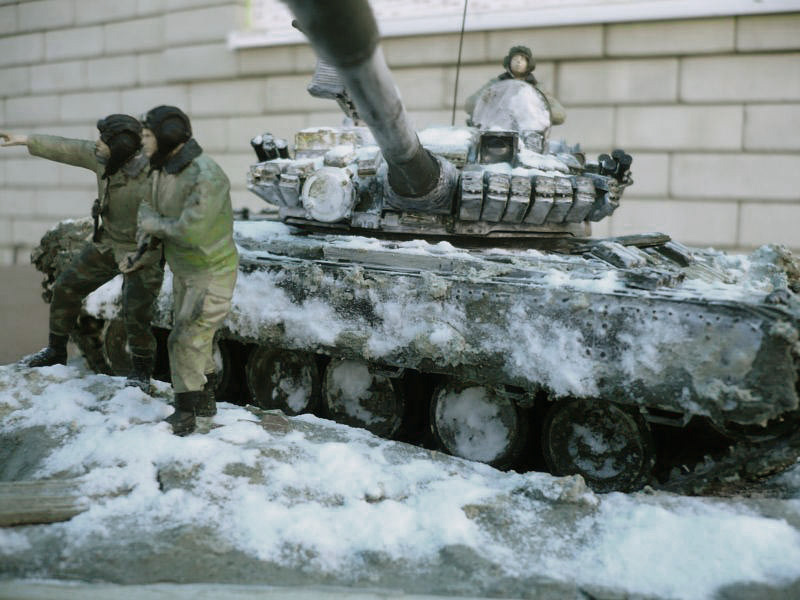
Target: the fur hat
(171, 127)
(123, 135)
(524, 51)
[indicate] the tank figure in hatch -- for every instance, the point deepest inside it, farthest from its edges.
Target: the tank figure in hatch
(191, 213)
(122, 184)
(494, 106)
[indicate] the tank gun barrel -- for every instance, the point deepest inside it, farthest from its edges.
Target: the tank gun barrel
(345, 34)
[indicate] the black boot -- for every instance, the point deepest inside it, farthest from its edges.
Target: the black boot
(54, 354)
(140, 373)
(182, 420)
(208, 405)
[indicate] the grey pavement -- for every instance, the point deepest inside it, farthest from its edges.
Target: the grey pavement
(70, 590)
(23, 313)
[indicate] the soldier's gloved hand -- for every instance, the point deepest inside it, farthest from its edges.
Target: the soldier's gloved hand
(149, 221)
(129, 262)
(96, 209)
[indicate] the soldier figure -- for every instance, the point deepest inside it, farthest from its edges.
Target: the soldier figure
(519, 64)
(190, 211)
(122, 184)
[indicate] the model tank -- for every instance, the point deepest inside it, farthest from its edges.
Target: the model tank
(443, 288)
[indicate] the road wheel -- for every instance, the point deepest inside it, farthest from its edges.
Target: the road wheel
(357, 394)
(283, 380)
(478, 423)
(610, 446)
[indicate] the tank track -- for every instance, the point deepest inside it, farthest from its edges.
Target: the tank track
(744, 465)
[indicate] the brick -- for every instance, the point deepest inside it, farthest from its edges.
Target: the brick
(287, 93)
(184, 4)
(593, 128)
(201, 25)
(434, 50)
(269, 60)
(601, 229)
(696, 36)
(118, 71)
(57, 77)
(90, 105)
(87, 131)
(650, 172)
(242, 130)
(770, 223)
(422, 119)
(74, 43)
(773, 127)
(16, 80)
(26, 110)
(236, 167)
(134, 36)
(71, 177)
(140, 100)
(29, 231)
(45, 14)
(201, 62)
(21, 49)
(774, 77)
(326, 118)
(243, 198)
(424, 88)
(17, 202)
(305, 58)
(103, 11)
(149, 7)
(548, 42)
(62, 204)
(693, 222)
(731, 176)
(150, 68)
(708, 127)
(8, 20)
(5, 232)
(7, 254)
(599, 82)
(31, 170)
(211, 134)
(768, 32)
(227, 97)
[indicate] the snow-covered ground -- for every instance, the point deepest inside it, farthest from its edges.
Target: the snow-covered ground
(254, 497)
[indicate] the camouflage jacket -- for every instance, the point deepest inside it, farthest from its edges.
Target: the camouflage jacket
(119, 195)
(191, 204)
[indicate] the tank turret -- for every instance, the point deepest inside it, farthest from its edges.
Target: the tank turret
(497, 177)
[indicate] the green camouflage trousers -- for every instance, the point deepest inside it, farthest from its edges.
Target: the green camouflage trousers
(200, 305)
(93, 267)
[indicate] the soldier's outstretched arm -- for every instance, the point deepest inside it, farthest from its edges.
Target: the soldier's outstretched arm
(12, 139)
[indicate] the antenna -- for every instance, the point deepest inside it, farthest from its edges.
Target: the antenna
(458, 65)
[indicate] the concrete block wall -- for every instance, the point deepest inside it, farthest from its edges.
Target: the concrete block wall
(709, 108)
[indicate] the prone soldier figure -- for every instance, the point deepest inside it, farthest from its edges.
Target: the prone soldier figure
(122, 184)
(190, 211)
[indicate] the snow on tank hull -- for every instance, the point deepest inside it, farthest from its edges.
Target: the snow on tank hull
(572, 325)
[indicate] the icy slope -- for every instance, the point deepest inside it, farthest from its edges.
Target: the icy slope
(258, 498)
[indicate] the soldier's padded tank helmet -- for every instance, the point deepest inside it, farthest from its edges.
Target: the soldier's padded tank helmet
(123, 136)
(523, 50)
(171, 128)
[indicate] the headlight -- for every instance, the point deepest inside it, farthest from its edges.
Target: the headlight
(328, 195)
